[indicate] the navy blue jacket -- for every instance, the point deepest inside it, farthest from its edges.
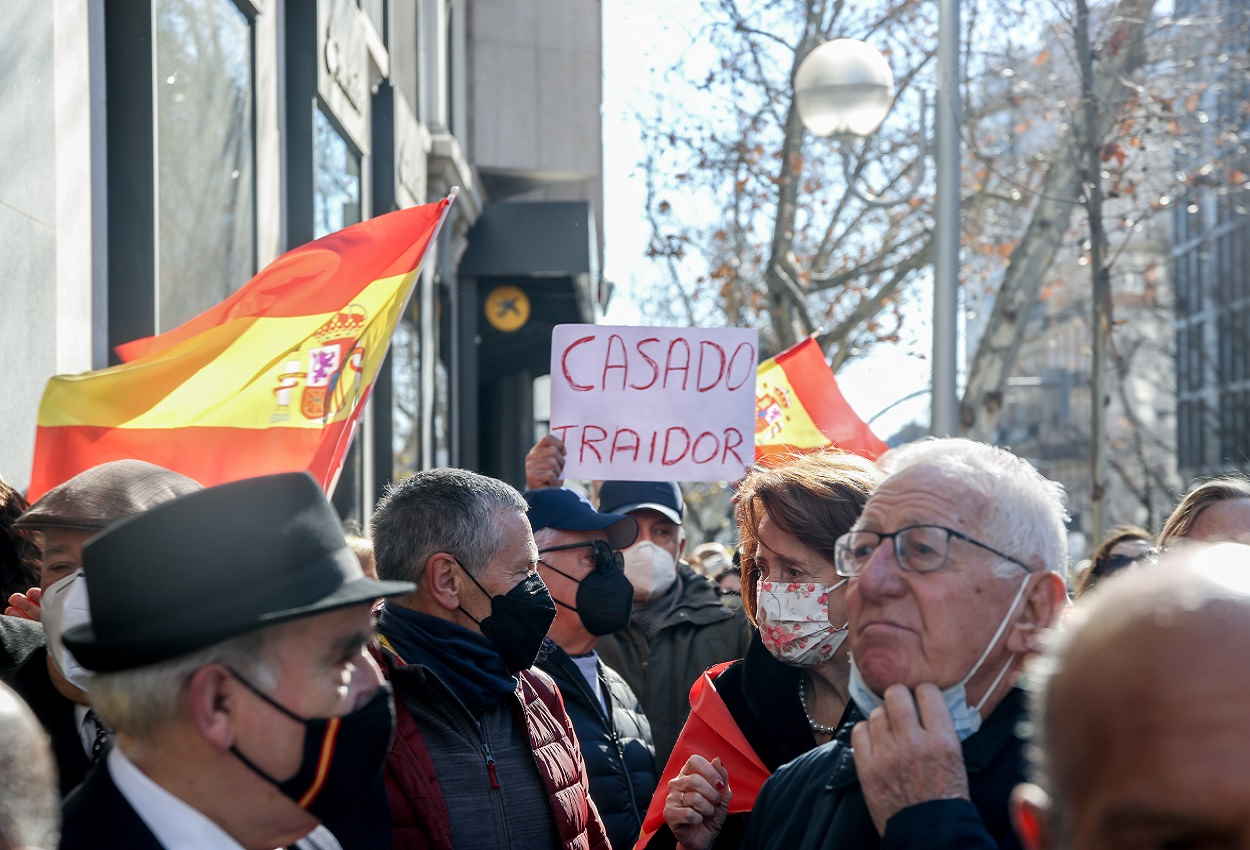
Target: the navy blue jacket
(616, 744)
(815, 802)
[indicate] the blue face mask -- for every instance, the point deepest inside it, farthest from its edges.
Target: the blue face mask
(967, 718)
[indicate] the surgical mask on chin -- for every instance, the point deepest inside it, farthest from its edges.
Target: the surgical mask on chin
(967, 718)
(65, 605)
(650, 569)
(793, 619)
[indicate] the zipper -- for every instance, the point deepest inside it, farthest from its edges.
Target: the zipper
(491, 772)
(620, 748)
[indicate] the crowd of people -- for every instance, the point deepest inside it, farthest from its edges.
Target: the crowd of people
(892, 655)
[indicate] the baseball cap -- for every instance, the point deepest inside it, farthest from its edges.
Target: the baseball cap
(624, 497)
(563, 509)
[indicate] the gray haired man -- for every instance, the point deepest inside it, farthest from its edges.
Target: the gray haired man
(485, 755)
(955, 569)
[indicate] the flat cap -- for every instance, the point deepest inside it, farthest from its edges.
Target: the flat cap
(103, 494)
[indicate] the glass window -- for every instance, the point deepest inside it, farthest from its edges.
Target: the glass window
(441, 426)
(205, 144)
(406, 400)
(336, 178)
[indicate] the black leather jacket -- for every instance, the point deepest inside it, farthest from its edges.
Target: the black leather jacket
(616, 744)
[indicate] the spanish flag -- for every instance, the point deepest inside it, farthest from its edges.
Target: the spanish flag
(711, 732)
(799, 408)
(273, 379)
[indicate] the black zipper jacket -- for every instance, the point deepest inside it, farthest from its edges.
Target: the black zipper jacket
(616, 744)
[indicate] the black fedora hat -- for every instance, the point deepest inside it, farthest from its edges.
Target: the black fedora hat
(212, 565)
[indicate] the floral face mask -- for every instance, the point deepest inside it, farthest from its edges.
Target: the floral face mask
(794, 621)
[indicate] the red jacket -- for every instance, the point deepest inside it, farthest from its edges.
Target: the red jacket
(419, 818)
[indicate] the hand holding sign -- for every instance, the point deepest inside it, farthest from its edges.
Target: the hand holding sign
(654, 404)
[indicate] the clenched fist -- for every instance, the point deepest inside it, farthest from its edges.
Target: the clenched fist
(544, 464)
(698, 802)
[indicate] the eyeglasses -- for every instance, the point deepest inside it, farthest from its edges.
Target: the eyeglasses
(1111, 563)
(917, 548)
(603, 555)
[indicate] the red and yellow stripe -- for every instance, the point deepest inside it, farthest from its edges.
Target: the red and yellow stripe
(270, 380)
(799, 408)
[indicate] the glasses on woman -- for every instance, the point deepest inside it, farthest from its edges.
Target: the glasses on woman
(917, 548)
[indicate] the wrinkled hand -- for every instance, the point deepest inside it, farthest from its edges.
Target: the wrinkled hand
(544, 464)
(907, 752)
(698, 802)
(25, 605)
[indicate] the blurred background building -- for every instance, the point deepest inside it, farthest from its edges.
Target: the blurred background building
(158, 154)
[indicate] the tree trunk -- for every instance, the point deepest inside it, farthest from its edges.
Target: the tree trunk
(1091, 179)
(1122, 55)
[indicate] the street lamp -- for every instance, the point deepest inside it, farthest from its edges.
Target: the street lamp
(845, 86)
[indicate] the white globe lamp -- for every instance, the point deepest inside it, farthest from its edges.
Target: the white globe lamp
(844, 86)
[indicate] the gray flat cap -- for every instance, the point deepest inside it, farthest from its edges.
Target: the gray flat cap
(104, 494)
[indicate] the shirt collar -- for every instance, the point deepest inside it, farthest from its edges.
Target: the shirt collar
(172, 821)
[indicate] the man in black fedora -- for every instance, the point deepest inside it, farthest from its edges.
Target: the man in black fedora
(227, 644)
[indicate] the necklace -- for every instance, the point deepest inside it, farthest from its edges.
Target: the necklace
(818, 728)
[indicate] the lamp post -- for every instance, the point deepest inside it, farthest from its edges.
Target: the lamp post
(846, 87)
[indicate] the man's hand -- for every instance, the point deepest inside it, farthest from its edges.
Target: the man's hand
(907, 752)
(25, 605)
(544, 464)
(698, 802)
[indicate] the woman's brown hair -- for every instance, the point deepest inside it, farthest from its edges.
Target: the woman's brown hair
(1197, 500)
(1099, 568)
(815, 497)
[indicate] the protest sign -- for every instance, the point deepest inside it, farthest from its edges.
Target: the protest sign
(654, 404)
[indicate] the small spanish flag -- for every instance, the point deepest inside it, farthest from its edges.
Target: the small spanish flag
(799, 408)
(273, 379)
(711, 732)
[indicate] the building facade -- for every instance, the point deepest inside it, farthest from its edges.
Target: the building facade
(158, 154)
(1211, 254)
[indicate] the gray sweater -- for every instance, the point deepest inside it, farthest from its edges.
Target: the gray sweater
(516, 814)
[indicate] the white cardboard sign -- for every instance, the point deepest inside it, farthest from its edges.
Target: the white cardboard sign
(654, 404)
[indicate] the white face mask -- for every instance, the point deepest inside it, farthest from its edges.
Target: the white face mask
(967, 718)
(650, 569)
(794, 622)
(64, 605)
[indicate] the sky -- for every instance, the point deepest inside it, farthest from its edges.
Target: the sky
(642, 37)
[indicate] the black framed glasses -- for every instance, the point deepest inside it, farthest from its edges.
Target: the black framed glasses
(917, 548)
(602, 554)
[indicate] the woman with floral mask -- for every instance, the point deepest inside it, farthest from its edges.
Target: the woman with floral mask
(751, 716)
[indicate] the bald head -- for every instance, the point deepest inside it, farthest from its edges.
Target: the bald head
(29, 800)
(1142, 711)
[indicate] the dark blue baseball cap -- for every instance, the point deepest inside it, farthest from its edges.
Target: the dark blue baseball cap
(565, 510)
(625, 497)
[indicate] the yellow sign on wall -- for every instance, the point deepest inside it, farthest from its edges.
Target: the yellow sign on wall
(507, 308)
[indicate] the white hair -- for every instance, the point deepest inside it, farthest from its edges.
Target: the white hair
(545, 537)
(142, 700)
(30, 806)
(1026, 517)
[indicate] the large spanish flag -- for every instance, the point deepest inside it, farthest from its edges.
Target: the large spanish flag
(799, 408)
(272, 379)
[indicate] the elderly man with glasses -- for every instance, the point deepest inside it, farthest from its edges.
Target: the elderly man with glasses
(955, 569)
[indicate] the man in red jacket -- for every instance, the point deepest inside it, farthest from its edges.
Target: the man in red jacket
(484, 755)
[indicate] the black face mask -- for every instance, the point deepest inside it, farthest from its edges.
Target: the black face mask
(518, 621)
(604, 597)
(343, 756)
